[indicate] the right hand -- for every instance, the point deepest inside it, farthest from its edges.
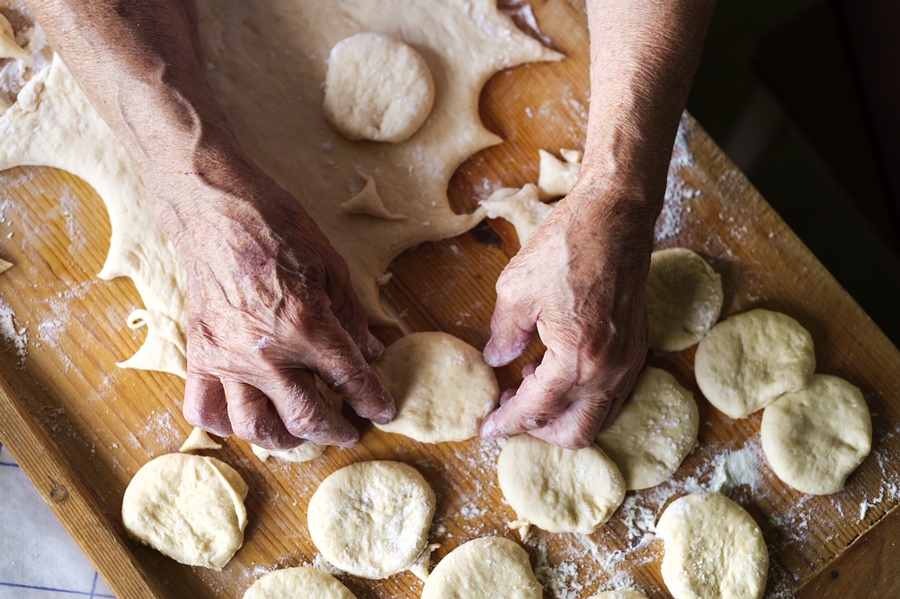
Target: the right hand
(270, 307)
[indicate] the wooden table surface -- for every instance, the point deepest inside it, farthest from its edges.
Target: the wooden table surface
(81, 427)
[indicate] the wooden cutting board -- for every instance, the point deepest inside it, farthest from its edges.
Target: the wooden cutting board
(83, 427)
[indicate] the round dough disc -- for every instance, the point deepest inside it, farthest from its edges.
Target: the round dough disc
(619, 595)
(713, 549)
(488, 567)
(559, 490)
(814, 438)
(441, 385)
(377, 88)
(746, 362)
(684, 298)
(371, 519)
(297, 583)
(654, 431)
(188, 507)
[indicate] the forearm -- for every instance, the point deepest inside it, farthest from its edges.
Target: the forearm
(643, 58)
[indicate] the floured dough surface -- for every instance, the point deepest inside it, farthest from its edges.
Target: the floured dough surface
(747, 361)
(556, 489)
(654, 431)
(377, 88)
(619, 595)
(557, 177)
(188, 507)
(371, 519)
(521, 207)
(441, 386)
(488, 567)
(684, 298)
(814, 438)
(302, 453)
(713, 549)
(368, 203)
(298, 583)
(267, 62)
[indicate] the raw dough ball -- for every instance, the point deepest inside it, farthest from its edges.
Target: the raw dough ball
(489, 567)
(559, 490)
(713, 549)
(302, 453)
(619, 595)
(654, 431)
(814, 438)
(441, 385)
(377, 88)
(371, 519)
(188, 507)
(746, 362)
(684, 298)
(298, 583)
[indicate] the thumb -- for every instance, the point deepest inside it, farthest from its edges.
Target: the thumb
(511, 330)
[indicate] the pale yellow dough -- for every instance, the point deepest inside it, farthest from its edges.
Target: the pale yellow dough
(198, 440)
(441, 385)
(557, 177)
(266, 62)
(490, 567)
(556, 489)
(521, 207)
(303, 453)
(713, 549)
(188, 507)
(298, 583)
(654, 431)
(371, 519)
(814, 438)
(747, 361)
(684, 298)
(9, 48)
(377, 88)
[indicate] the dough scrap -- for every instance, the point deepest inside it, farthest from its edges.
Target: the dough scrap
(198, 440)
(441, 385)
(267, 61)
(9, 48)
(302, 453)
(188, 507)
(371, 519)
(368, 202)
(488, 567)
(521, 207)
(296, 583)
(4, 266)
(747, 361)
(654, 431)
(556, 489)
(377, 88)
(557, 177)
(619, 595)
(814, 438)
(684, 298)
(713, 549)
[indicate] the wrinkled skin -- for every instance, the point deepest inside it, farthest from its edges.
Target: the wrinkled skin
(270, 305)
(580, 282)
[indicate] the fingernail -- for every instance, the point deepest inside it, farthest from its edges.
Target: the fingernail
(376, 347)
(491, 356)
(490, 430)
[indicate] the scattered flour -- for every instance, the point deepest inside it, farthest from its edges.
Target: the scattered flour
(14, 337)
(678, 191)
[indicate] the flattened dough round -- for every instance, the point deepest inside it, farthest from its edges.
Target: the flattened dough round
(441, 385)
(188, 507)
(371, 519)
(377, 88)
(746, 362)
(814, 438)
(684, 298)
(653, 432)
(619, 595)
(488, 567)
(559, 490)
(298, 583)
(713, 549)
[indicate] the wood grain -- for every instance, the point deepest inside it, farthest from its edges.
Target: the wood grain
(103, 423)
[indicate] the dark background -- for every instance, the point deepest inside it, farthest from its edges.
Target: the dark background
(804, 96)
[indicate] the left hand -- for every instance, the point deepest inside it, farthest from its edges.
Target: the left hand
(580, 281)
